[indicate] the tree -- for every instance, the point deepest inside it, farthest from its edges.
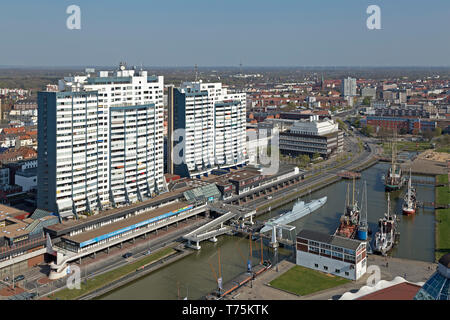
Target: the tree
(367, 130)
(316, 155)
(427, 134)
(366, 101)
(403, 130)
(437, 132)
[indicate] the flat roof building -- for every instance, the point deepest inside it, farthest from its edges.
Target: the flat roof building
(100, 142)
(332, 254)
(313, 136)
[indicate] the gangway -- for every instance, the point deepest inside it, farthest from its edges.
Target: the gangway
(216, 227)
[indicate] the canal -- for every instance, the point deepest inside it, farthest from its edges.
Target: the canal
(194, 275)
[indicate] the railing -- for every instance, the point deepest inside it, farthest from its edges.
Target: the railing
(25, 244)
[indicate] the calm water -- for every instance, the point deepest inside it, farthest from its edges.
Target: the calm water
(196, 278)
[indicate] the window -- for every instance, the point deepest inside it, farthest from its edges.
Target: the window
(337, 271)
(346, 273)
(316, 265)
(325, 267)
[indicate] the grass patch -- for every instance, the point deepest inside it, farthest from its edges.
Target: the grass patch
(304, 281)
(442, 232)
(443, 178)
(110, 276)
(443, 195)
(408, 146)
(443, 149)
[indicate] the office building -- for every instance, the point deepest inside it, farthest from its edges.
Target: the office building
(100, 141)
(214, 121)
(311, 137)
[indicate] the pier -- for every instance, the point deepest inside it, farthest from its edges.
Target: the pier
(349, 174)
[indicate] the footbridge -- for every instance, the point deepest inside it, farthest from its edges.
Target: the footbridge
(216, 227)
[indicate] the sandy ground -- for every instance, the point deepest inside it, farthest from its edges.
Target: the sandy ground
(412, 270)
(434, 156)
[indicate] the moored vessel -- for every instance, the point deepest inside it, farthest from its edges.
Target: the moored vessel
(386, 234)
(299, 210)
(409, 202)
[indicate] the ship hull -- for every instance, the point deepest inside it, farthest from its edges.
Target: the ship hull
(409, 211)
(392, 187)
(293, 216)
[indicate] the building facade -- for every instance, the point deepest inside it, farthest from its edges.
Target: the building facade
(348, 87)
(339, 256)
(100, 141)
(215, 128)
(312, 137)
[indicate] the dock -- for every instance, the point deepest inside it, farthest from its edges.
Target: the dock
(238, 281)
(349, 174)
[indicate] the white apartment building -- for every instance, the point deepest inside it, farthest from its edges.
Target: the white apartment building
(215, 127)
(100, 141)
(348, 87)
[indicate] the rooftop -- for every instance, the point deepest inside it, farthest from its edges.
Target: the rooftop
(329, 239)
(88, 235)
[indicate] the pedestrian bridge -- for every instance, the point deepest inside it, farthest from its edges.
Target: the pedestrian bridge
(216, 227)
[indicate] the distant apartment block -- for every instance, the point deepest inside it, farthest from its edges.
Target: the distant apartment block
(100, 142)
(348, 87)
(369, 92)
(312, 136)
(215, 128)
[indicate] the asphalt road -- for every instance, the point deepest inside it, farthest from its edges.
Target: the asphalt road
(358, 159)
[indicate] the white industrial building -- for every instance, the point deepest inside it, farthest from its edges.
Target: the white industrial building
(336, 255)
(109, 143)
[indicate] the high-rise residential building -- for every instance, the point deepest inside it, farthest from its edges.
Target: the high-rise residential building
(348, 87)
(215, 128)
(100, 141)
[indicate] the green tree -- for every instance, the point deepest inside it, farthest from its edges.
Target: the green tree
(366, 101)
(367, 130)
(437, 132)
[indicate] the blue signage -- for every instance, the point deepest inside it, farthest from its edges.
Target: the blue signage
(134, 226)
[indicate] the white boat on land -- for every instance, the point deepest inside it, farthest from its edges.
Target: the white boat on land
(299, 210)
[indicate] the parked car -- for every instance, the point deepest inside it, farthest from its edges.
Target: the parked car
(19, 278)
(127, 255)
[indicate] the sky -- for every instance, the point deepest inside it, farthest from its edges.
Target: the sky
(225, 33)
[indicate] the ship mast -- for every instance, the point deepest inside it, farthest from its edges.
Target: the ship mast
(409, 189)
(353, 196)
(389, 206)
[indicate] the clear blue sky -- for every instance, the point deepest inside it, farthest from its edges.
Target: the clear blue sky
(225, 32)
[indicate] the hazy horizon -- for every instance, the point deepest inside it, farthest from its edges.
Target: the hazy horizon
(321, 33)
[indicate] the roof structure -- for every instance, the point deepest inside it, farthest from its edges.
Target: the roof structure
(329, 239)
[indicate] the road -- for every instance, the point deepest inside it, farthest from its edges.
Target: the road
(329, 171)
(91, 267)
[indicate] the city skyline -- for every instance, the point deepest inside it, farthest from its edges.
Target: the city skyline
(266, 34)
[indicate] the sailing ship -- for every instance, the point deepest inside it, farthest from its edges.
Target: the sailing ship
(386, 234)
(394, 179)
(409, 201)
(349, 221)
